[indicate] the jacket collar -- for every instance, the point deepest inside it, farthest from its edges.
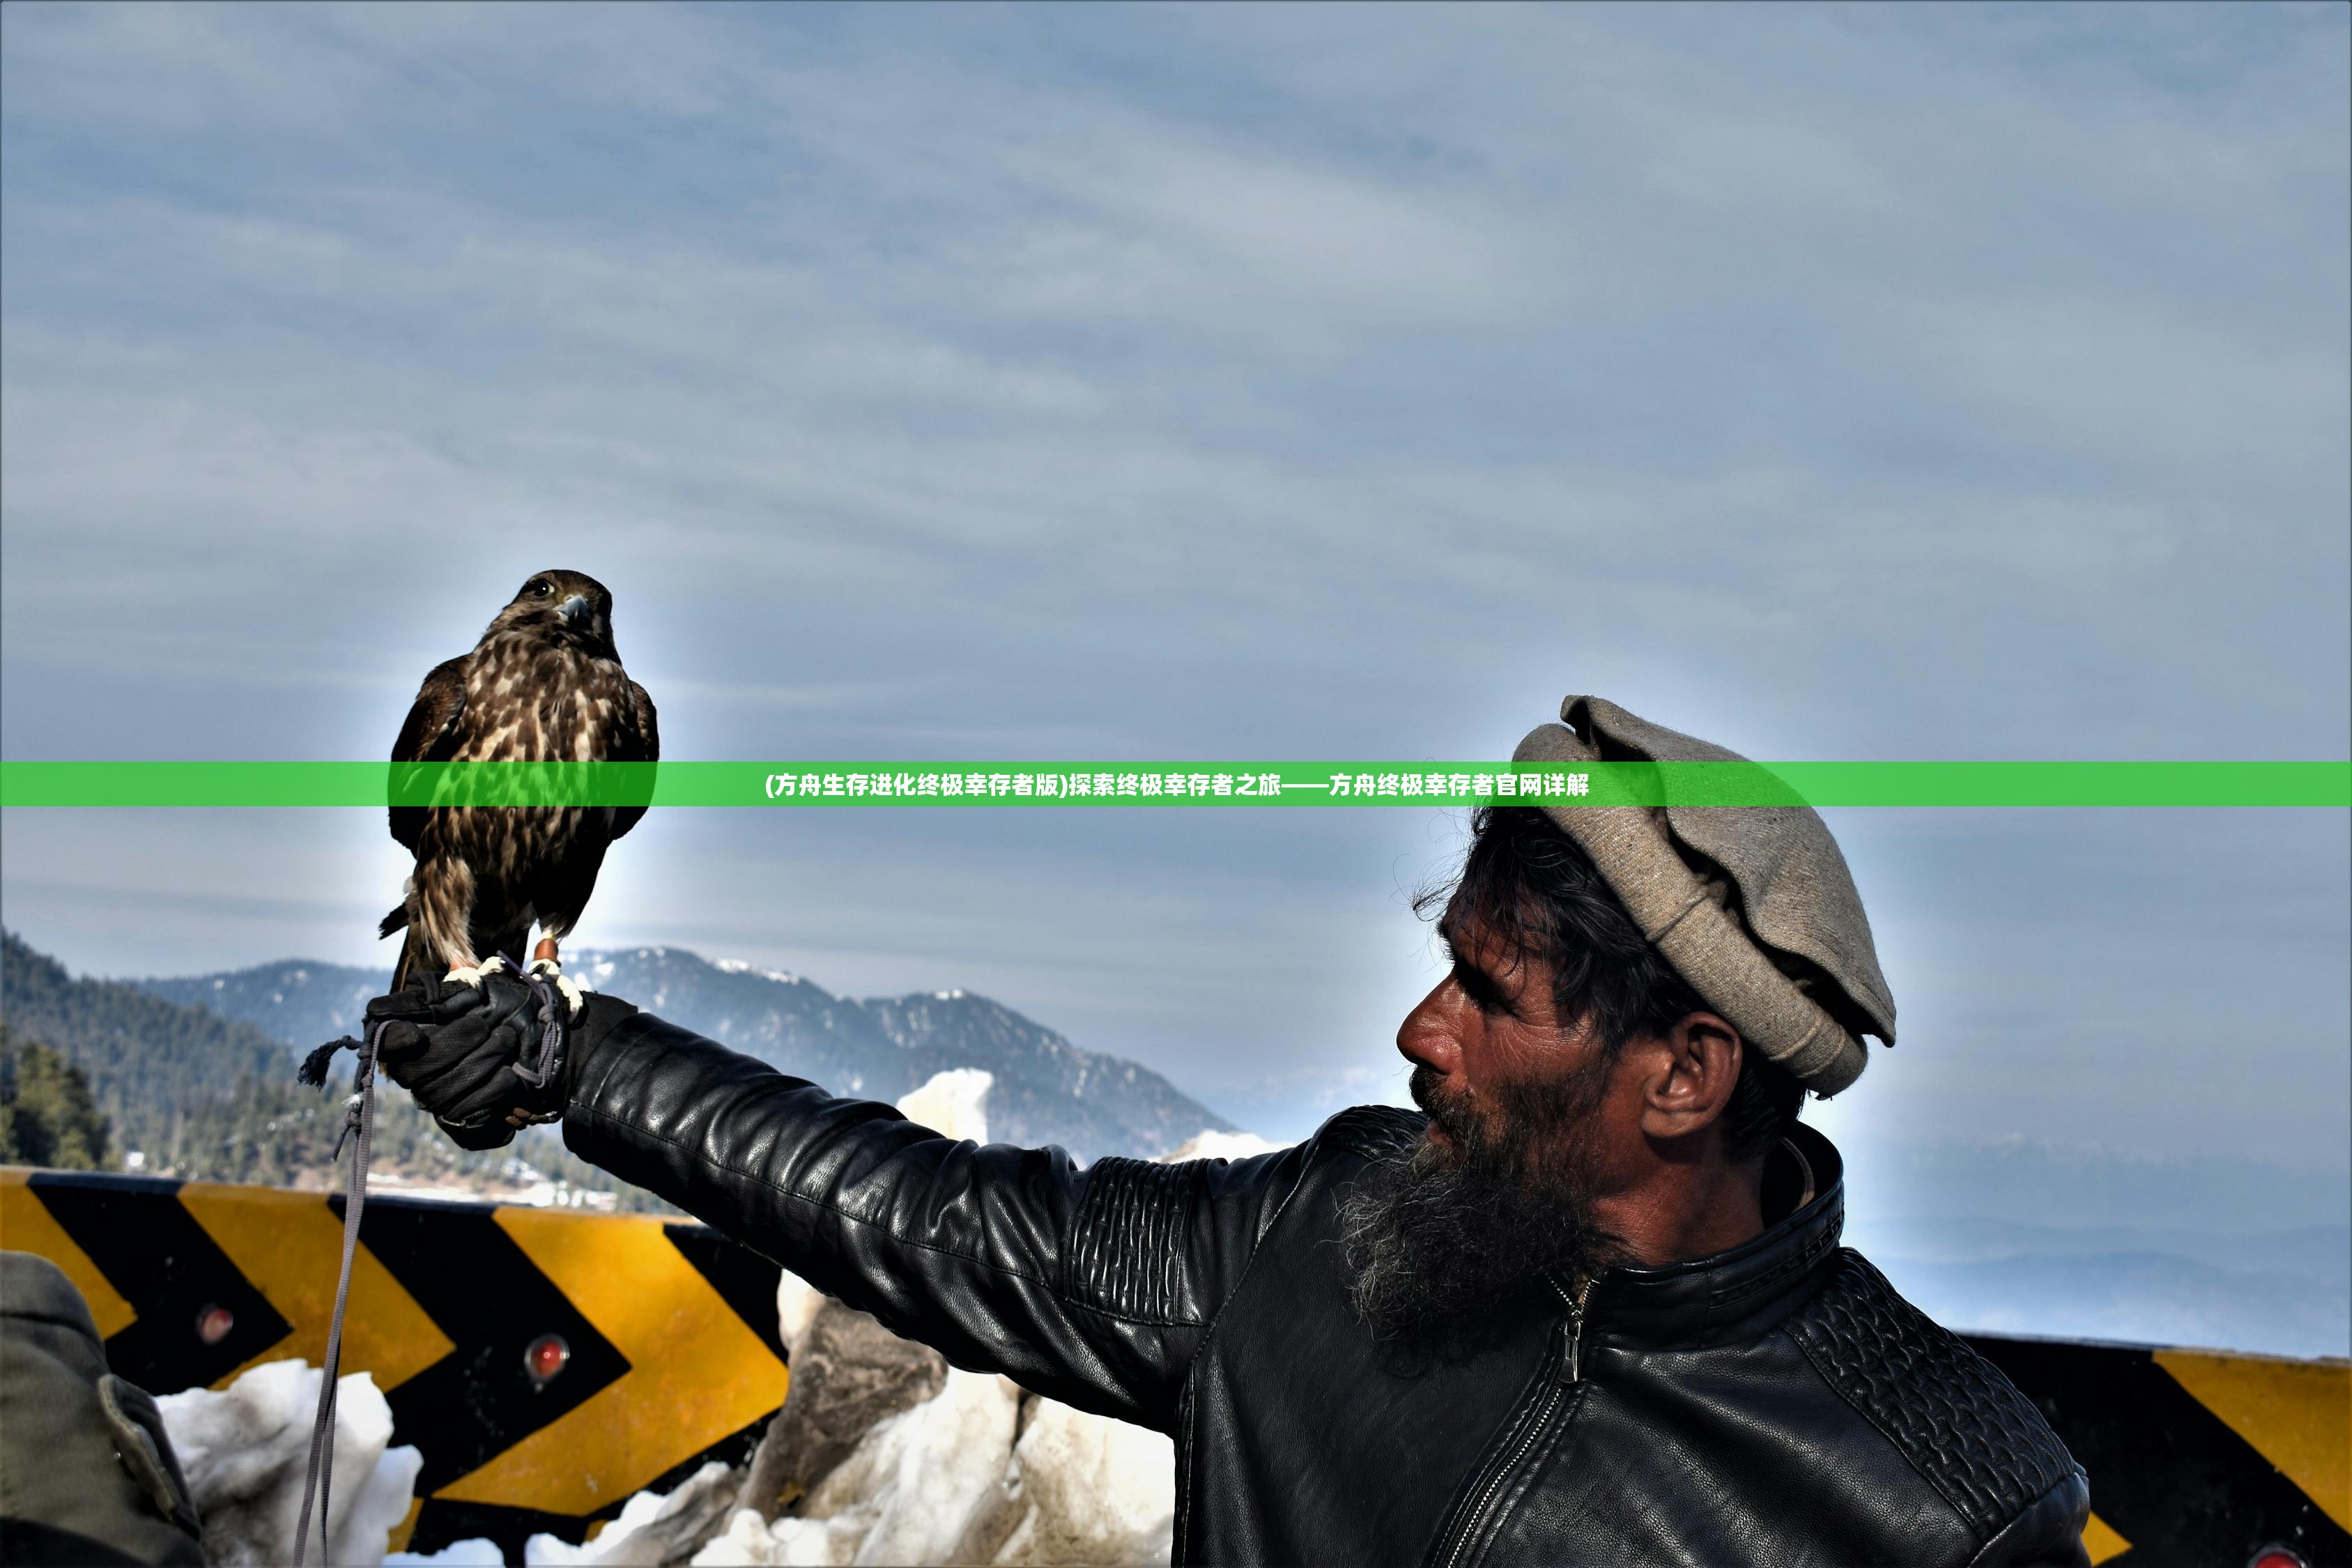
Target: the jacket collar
(1736, 1295)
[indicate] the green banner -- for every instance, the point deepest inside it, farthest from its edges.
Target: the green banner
(1223, 784)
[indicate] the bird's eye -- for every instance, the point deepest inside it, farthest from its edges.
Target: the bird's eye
(542, 589)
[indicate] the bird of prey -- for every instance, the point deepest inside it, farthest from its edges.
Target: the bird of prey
(544, 684)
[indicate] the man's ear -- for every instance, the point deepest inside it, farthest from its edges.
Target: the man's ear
(1692, 1072)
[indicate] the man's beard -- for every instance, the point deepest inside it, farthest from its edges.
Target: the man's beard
(1444, 1237)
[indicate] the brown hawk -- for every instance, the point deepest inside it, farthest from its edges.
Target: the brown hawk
(544, 684)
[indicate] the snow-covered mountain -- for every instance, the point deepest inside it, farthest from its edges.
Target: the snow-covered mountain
(1047, 1089)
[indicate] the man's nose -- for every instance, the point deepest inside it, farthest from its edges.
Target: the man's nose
(1430, 1036)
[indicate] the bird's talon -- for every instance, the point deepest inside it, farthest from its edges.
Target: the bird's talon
(461, 975)
(574, 999)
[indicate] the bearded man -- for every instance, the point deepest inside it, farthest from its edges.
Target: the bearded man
(1589, 1306)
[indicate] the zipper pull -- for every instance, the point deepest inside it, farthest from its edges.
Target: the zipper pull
(1572, 1327)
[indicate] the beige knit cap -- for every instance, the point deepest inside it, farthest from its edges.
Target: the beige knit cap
(1752, 905)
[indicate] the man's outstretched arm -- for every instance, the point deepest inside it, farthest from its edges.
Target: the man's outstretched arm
(1092, 1286)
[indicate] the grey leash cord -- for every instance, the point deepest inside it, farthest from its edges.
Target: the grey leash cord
(552, 1010)
(359, 1116)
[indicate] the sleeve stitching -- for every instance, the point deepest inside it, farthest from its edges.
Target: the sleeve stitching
(1892, 1441)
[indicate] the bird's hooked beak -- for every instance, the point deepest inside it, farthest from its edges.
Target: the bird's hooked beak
(574, 608)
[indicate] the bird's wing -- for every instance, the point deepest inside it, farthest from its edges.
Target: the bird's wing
(644, 745)
(429, 734)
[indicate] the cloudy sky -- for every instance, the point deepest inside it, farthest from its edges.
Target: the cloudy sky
(1175, 384)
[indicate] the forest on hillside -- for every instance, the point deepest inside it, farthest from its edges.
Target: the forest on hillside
(99, 1075)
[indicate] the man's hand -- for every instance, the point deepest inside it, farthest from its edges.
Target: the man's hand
(457, 1049)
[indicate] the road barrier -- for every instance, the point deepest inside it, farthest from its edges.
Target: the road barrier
(549, 1363)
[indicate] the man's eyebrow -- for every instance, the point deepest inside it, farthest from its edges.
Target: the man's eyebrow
(1481, 984)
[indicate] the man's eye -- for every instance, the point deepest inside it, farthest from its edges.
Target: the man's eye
(1482, 996)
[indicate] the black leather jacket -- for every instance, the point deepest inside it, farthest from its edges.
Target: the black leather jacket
(1776, 1404)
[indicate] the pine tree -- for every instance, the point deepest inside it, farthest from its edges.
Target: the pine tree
(47, 1116)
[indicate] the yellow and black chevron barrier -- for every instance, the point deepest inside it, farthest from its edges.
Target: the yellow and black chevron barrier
(2197, 1457)
(547, 1363)
(550, 1363)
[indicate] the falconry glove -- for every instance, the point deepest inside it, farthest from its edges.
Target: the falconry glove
(483, 1060)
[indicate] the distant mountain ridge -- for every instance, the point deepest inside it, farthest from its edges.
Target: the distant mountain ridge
(192, 1092)
(1047, 1089)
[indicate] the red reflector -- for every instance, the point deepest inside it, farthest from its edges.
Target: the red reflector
(213, 1323)
(2277, 1557)
(545, 1356)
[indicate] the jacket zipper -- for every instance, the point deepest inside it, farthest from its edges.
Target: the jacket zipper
(1575, 1320)
(1555, 1390)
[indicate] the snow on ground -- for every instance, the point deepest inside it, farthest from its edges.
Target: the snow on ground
(1093, 1491)
(921, 1480)
(978, 1474)
(245, 1450)
(1208, 1145)
(652, 1529)
(954, 1103)
(476, 1552)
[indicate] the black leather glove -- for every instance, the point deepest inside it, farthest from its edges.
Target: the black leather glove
(469, 1054)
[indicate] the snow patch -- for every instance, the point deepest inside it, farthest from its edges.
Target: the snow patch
(475, 1552)
(1093, 1489)
(788, 1541)
(652, 1529)
(953, 1103)
(244, 1449)
(921, 1477)
(1208, 1144)
(922, 1487)
(744, 966)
